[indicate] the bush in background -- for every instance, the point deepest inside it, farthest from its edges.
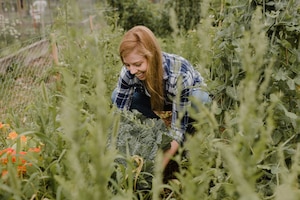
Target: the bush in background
(128, 13)
(9, 32)
(187, 12)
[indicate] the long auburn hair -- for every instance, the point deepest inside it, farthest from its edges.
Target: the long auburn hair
(143, 40)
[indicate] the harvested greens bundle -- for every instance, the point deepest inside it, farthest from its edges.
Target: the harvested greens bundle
(141, 137)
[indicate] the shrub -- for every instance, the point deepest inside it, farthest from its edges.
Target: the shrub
(140, 12)
(9, 32)
(187, 12)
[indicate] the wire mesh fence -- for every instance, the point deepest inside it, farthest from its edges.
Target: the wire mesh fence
(21, 73)
(25, 57)
(26, 53)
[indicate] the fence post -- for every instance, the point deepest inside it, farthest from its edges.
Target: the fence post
(19, 9)
(91, 23)
(1, 9)
(54, 49)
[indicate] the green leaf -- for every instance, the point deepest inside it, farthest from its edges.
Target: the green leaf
(270, 3)
(288, 113)
(291, 115)
(280, 75)
(297, 80)
(286, 44)
(274, 98)
(217, 111)
(273, 14)
(231, 91)
(277, 137)
(291, 84)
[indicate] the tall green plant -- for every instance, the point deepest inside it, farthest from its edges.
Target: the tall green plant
(230, 21)
(85, 118)
(236, 155)
(226, 167)
(86, 133)
(188, 13)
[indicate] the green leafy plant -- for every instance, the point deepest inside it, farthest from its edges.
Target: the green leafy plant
(9, 32)
(141, 139)
(188, 13)
(20, 161)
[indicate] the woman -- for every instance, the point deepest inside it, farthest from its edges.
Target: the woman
(153, 81)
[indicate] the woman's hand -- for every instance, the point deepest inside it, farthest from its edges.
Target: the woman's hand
(166, 116)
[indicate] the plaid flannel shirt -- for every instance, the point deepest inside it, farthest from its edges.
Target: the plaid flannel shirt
(180, 78)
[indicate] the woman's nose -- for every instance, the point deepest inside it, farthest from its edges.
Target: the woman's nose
(132, 70)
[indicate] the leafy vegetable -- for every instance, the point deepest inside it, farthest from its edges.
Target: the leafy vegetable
(142, 137)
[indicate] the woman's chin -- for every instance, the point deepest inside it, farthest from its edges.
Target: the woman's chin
(141, 77)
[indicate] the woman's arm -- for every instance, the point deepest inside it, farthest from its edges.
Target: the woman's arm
(124, 90)
(170, 153)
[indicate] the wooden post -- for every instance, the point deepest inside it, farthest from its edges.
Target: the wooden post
(91, 23)
(19, 9)
(1, 9)
(54, 50)
(57, 76)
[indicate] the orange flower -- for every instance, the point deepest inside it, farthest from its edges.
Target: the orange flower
(12, 135)
(4, 173)
(36, 149)
(2, 152)
(10, 151)
(4, 161)
(3, 125)
(14, 159)
(23, 138)
(22, 169)
(23, 153)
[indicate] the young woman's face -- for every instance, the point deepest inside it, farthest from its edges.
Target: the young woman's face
(136, 64)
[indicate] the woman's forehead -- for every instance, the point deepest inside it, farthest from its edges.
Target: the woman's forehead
(133, 57)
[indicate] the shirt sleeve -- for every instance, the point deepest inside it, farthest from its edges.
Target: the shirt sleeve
(124, 90)
(180, 117)
(186, 79)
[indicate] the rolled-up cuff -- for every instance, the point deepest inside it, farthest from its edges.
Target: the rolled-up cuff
(177, 135)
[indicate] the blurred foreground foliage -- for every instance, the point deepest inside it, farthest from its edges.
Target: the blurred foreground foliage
(246, 145)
